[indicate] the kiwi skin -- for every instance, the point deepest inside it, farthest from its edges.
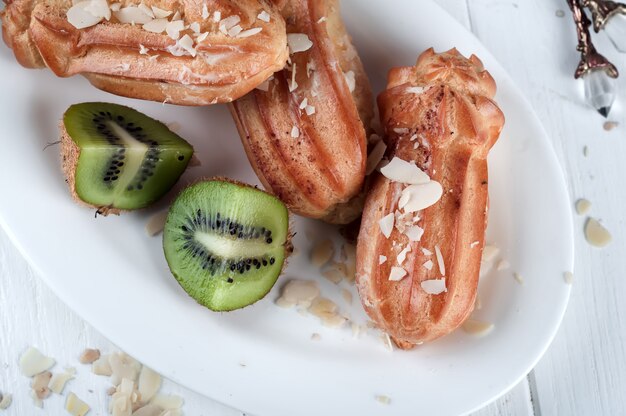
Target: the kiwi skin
(288, 244)
(70, 152)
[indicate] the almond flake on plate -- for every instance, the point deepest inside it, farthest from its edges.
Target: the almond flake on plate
(333, 275)
(568, 277)
(396, 274)
(596, 234)
(298, 42)
(503, 265)
(518, 278)
(322, 252)
(489, 253)
(75, 406)
(33, 362)
(386, 224)
(582, 206)
(39, 385)
(59, 380)
(123, 366)
(383, 399)
(167, 402)
(477, 328)
(149, 410)
(264, 16)
(347, 296)
(5, 401)
(315, 336)
(401, 171)
(101, 366)
(434, 286)
(299, 293)
(149, 383)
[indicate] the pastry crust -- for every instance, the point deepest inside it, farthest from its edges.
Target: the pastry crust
(314, 162)
(108, 53)
(456, 123)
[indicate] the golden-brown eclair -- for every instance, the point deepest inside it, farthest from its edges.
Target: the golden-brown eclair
(420, 282)
(212, 51)
(304, 130)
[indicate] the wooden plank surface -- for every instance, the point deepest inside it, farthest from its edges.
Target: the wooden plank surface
(583, 373)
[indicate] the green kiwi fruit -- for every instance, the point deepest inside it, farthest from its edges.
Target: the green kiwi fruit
(116, 158)
(226, 242)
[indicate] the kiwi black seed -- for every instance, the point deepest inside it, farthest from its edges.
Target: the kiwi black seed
(226, 243)
(116, 158)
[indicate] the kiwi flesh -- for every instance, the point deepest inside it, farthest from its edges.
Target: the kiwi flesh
(116, 158)
(226, 242)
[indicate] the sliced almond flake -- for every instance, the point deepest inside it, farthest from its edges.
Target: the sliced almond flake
(250, 32)
(230, 21)
(264, 16)
(333, 275)
(186, 42)
(99, 8)
(503, 265)
(474, 244)
(434, 286)
(149, 383)
(401, 130)
(356, 329)
(415, 90)
(396, 274)
(309, 110)
(195, 27)
(299, 292)
(143, 50)
(315, 336)
(310, 67)
(489, 253)
(6, 401)
(333, 321)
(123, 366)
(80, 18)
(40, 385)
(402, 255)
(386, 224)
(582, 206)
(115, 7)
(518, 278)
(132, 15)
(350, 80)
(153, 58)
(383, 399)
(568, 277)
(421, 196)
(416, 145)
(321, 19)
(428, 265)
(101, 366)
(596, 234)
(149, 410)
(160, 13)
(375, 156)
(177, 16)
(205, 12)
(414, 233)
(324, 309)
(75, 406)
(347, 296)
(156, 26)
(440, 263)
(174, 28)
(201, 37)
(167, 402)
(298, 42)
(476, 327)
(234, 31)
(412, 138)
(293, 84)
(382, 259)
(146, 10)
(426, 252)
(33, 362)
(217, 16)
(303, 103)
(478, 304)
(37, 402)
(399, 170)
(387, 341)
(59, 380)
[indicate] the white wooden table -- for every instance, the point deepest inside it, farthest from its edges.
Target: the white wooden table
(584, 371)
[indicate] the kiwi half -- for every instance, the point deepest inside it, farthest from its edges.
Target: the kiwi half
(226, 243)
(116, 158)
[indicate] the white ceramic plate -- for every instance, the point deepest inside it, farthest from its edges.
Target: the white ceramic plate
(114, 276)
